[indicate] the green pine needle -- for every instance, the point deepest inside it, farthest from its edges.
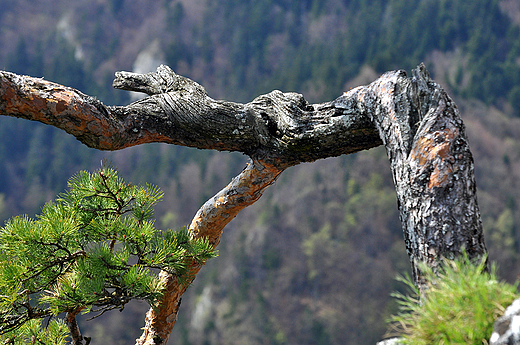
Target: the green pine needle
(459, 306)
(94, 248)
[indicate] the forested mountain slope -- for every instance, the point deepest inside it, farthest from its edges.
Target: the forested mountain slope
(314, 261)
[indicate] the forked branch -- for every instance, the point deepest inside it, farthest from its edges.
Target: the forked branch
(414, 118)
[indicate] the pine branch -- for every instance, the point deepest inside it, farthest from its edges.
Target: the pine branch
(63, 278)
(58, 262)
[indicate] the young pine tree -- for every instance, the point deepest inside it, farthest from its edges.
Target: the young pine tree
(93, 249)
(460, 306)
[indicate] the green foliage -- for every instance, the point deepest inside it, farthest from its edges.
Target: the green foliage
(33, 332)
(93, 249)
(459, 306)
(389, 34)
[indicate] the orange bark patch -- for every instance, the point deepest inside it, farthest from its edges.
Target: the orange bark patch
(439, 177)
(63, 99)
(433, 149)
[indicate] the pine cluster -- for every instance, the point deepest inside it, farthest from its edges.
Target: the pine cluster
(93, 249)
(460, 306)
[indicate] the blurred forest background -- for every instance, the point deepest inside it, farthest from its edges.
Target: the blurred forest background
(314, 261)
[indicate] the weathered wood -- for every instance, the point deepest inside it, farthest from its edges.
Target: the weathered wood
(414, 118)
(432, 167)
(209, 222)
(279, 127)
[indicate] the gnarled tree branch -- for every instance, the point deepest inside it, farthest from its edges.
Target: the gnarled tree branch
(280, 127)
(414, 118)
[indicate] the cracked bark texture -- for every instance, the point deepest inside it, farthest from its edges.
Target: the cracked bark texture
(414, 118)
(432, 167)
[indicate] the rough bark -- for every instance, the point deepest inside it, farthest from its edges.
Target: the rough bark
(279, 127)
(209, 222)
(414, 118)
(432, 167)
(72, 324)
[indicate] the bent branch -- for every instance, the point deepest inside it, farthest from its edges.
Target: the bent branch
(279, 127)
(414, 118)
(209, 223)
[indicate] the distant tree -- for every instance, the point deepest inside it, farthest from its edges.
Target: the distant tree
(90, 251)
(414, 118)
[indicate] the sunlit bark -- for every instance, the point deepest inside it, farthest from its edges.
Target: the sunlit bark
(414, 118)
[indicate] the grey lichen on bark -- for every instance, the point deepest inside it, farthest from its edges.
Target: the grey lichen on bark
(281, 127)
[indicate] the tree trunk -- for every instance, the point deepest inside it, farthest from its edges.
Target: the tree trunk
(432, 167)
(414, 118)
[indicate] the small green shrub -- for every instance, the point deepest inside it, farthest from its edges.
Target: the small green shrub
(93, 249)
(459, 306)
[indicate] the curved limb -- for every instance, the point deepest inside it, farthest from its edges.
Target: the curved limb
(209, 222)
